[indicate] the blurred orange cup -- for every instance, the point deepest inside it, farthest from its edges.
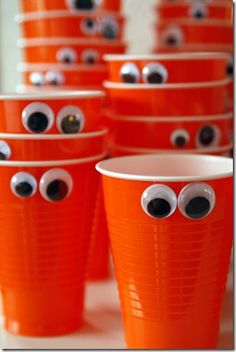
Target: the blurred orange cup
(171, 281)
(167, 68)
(192, 47)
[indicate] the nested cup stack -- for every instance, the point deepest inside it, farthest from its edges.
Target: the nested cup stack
(49, 145)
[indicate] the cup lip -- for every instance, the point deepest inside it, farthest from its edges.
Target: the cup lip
(195, 22)
(108, 167)
(52, 163)
(24, 42)
(29, 89)
(144, 86)
(53, 95)
(31, 16)
(215, 117)
(167, 56)
(39, 137)
(29, 67)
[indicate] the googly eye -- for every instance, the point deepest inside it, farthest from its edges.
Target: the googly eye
(89, 26)
(196, 200)
(173, 37)
(130, 73)
(5, 151)
(208, 136)
(56, 185)
(155, 73)
(66, 55)
(159, 201)
(55, 78)
(37, 79)
(90, 57)
(109, 29)
(37, 118)
(180, 138)
(230, 68)
(23, 185)
(70, 120)
(198, 11)
(81, 5)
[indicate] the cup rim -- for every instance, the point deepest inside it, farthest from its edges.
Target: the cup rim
(132, 167)
(53, 95)
(144, 86)
(167, 56)
(88, 135)
(195, 22)
(29, 89)
(52, 163)
(216, 117)
(28, 67)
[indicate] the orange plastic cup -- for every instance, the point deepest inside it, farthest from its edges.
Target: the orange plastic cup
(213, 10)
(170, 220)
(68, 50)
(179, 133)
(193, 47)
(59, 24)
(70, 112)
(72, 5)
(181, 32)
(185, 99)
(29, 147)
(61, 76)
(167, 68)
(46, 231)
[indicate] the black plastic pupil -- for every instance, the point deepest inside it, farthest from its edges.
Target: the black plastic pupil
(70, 124)
(90, 23)
(180, 141)
(84, 4)
(155, 77)
(90, 59)
(159, 208)
(171, 40)
(24, 189)
(207, 135)
(54, 82)
(109, 31)
(37, 122)
(198, 207)
(67, 59)
(230, 69)
(3, 156)
(128, 78)
(57, 190)
(199, 14)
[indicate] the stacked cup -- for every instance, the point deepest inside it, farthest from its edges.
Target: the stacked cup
(64, 42)
(49, 145)
(170, 103)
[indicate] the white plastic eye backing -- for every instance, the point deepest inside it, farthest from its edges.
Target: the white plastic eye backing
(37, 118)
(37, 79)
(173, 36)
(196, 200)
(129, 73)
(5, 151)
(70, 120)
(208, 136)
(198, 11)
(155, 73)
(82, 5)
(56, 185)
(109, 28)
(180, 138)
(23, 185)
(230, 68)
(159, 201)
(89, 26)
(67, 55)
(90, 56)
(55, 78)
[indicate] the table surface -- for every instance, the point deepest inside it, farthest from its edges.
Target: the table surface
(103, 327)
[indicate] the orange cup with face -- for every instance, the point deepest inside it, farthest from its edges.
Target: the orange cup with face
(68, 51)
(173, 99)
(167, 68)
(59, 24)
(177, 133)
(63, 112)
(46, 231)
(170, 221)
(71, 5)
(178, 33)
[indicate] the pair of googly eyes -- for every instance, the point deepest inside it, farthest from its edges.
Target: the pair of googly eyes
(152, 73)
(207, 136)
(51, 78)
(39, 118)
(81, 5)
(195, 201)
(69, 56)
(108, 28)
(54, 186)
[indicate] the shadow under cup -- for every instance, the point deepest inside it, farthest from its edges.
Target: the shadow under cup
(170, 223)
